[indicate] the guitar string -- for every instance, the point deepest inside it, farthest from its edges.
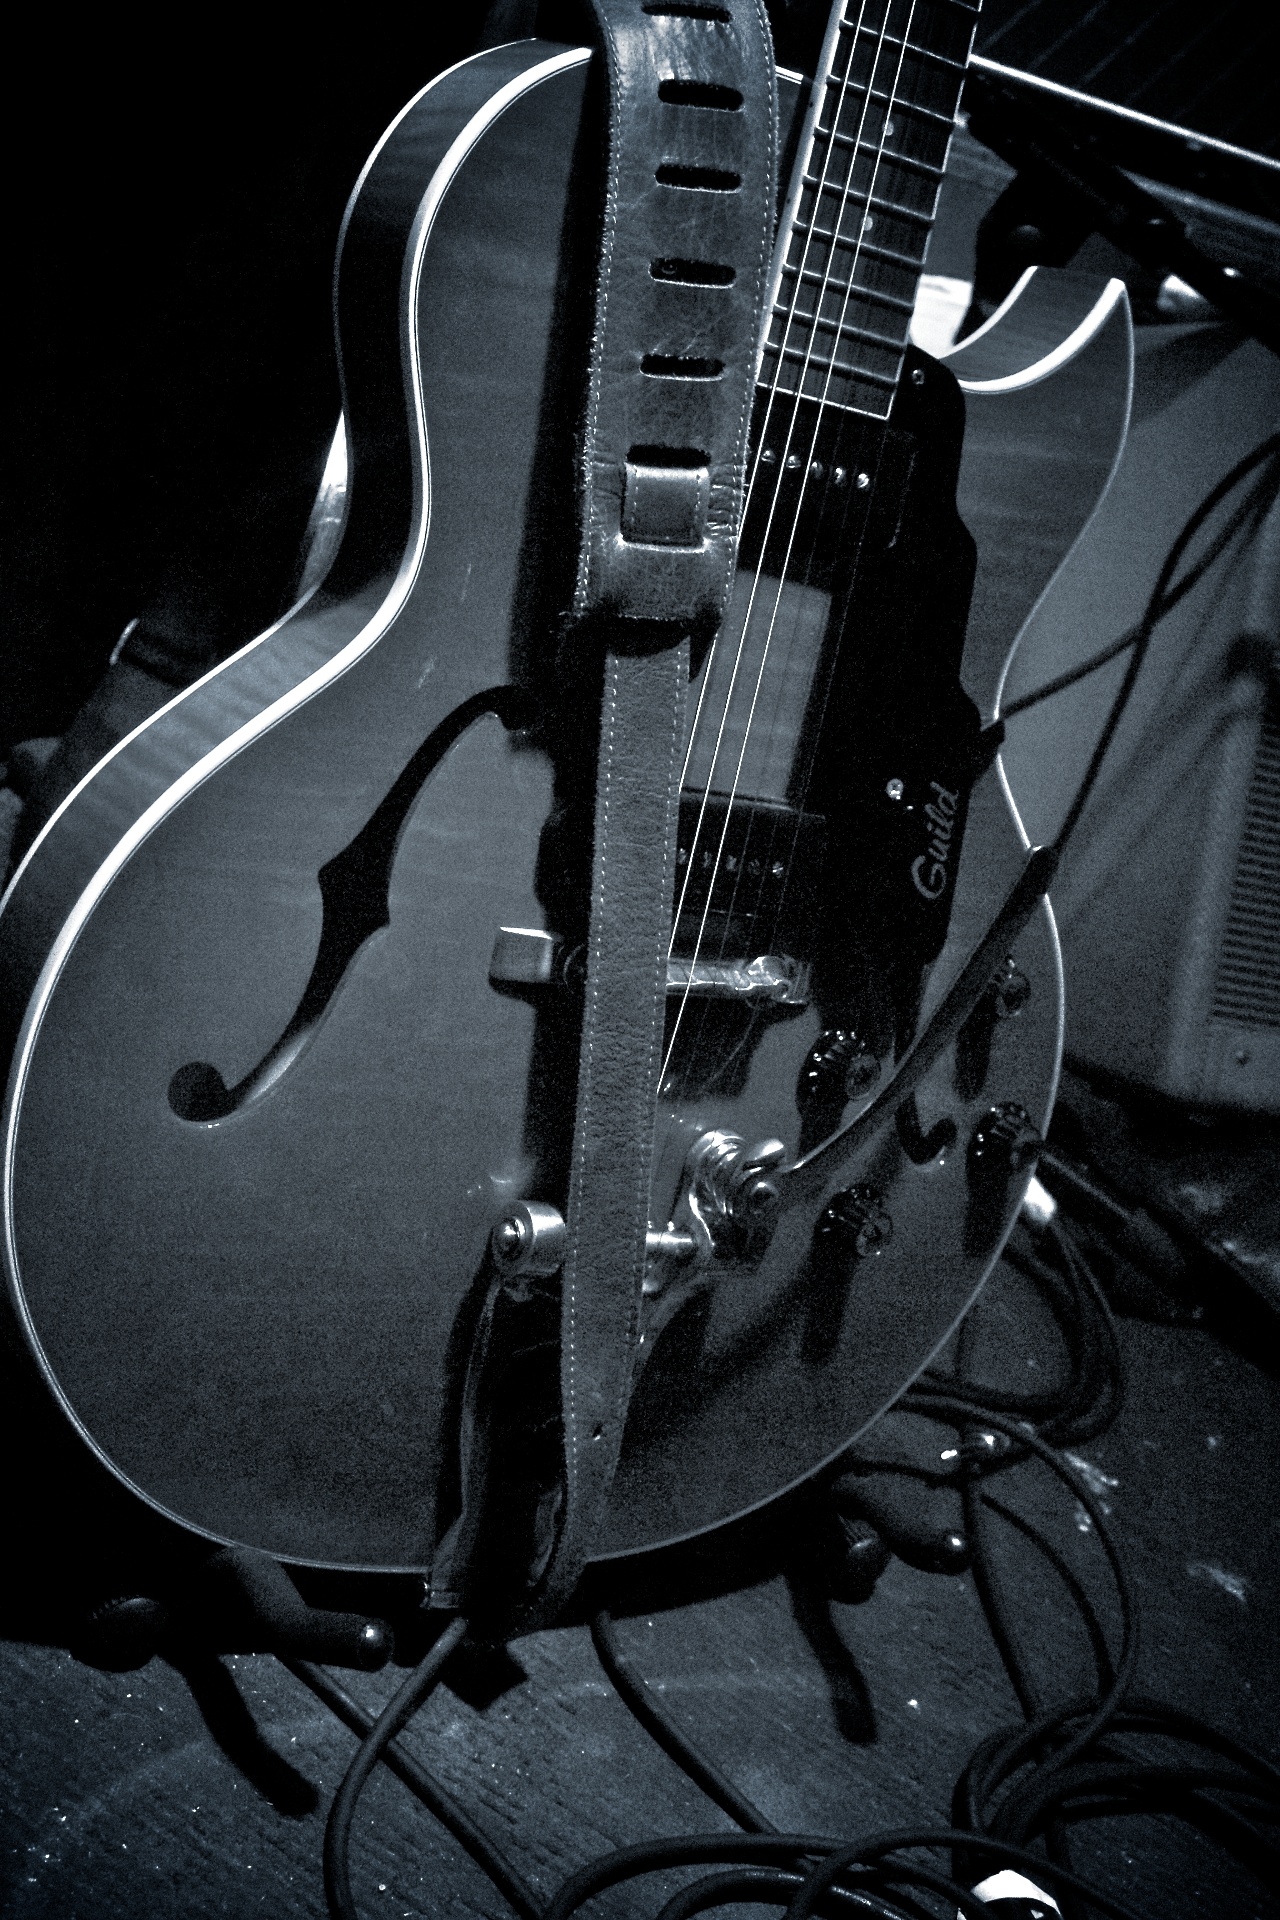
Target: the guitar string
(773, 391)
(708, 670)
(850, 287)
(808, 465)
(819, 718)
(850, 290)
(785, 241)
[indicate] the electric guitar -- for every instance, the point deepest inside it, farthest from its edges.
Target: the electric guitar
(293, 975)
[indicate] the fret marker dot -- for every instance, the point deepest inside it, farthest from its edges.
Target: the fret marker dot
(889, 129)
(867, 223)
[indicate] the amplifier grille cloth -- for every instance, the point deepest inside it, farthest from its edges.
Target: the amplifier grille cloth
(1247, 989)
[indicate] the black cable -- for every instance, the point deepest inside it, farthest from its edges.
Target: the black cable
(1103, 1357)
(1082, 1405)
(1027, 1806)
(825, 1875)
(1147, 626)
(434, 1797)
(827, 1868)
(987, 1588)
(712, 1849)
(774, 1887)
(1069, 1578)
(959, 1412)
(670, 1737)
(1067, 1765)
(1004, 1753)
(1072, 676)
(397, 1713)
(1098, 1389)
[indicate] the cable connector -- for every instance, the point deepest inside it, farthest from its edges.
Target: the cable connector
(1011, 1896)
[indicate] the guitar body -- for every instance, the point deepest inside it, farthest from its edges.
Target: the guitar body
(265, 1105)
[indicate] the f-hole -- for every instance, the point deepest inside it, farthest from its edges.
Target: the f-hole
(355, 892)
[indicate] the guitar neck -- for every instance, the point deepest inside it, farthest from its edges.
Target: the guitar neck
(863, 199)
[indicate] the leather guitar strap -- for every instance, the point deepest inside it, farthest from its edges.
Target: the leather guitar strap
(688, 227)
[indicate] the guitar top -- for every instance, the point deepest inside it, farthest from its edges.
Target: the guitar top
(297, 969)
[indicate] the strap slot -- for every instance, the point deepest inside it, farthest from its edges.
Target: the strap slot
(667, 457)
(700, 93)
(712, 179)
(694, 273)
(676, 366)
(688, 10)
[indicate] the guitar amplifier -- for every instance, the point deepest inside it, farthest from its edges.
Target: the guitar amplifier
(1168, 900)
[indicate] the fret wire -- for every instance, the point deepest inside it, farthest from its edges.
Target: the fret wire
(837, 366)
(899, 105)
(925, 53)
(866, 247)
(812, 277)
(849, 92)
(880, 206)
(860, 94)
(894, 343)
(853, 97)
(883, 153)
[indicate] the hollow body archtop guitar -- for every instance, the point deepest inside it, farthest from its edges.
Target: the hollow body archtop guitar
(296, 974)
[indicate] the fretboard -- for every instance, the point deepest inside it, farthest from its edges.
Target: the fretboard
(862, 203)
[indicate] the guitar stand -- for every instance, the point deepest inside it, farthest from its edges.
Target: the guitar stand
(1067, 187)
(235, 1601)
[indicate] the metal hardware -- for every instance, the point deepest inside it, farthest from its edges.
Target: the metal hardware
(728, 1191)
(525, 960)
(529, 1241)
(726, 1210)
(771, 980)
(895, 789)
(1038, 1206)
(668, 1243)
(855, 1221)
(1010, 990)
(524, 957)
(862, 481)
(1004, 998)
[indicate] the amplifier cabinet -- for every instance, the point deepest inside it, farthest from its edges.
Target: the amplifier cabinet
(1168, 900)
